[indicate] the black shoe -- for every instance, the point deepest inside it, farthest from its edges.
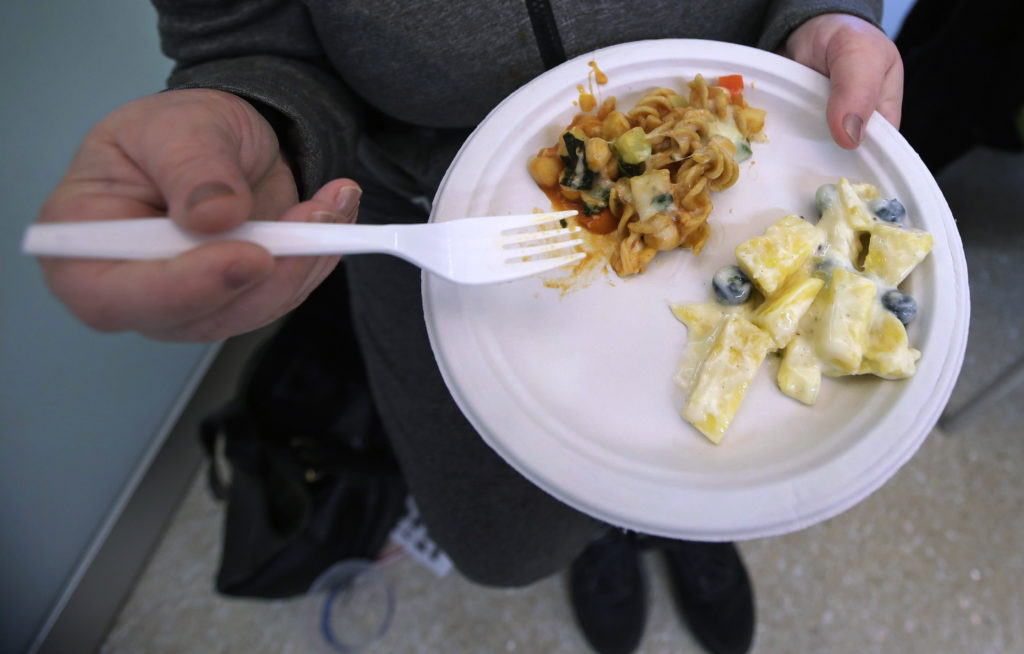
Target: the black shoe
(713, 593)
(608, 594)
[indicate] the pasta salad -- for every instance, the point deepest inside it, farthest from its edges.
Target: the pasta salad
(644, 176)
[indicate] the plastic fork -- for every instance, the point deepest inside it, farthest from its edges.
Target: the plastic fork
(467, 250)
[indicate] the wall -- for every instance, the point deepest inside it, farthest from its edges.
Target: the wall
(894, 14)
(79, 411)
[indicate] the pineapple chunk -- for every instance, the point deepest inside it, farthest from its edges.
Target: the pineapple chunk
(820, 308)
(894, 251)
(842, 330)
(771, 258)
(700, 319)
(724, 376)
(866, 191)
(853, 204)
(781, 316)
(887, 353)
(800, 373)
(843, 240)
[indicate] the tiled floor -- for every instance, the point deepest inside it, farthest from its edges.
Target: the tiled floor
(930, 563)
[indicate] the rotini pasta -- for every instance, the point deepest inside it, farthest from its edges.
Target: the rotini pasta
(645, 177)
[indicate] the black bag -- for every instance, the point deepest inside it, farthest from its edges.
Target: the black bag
(312, 478)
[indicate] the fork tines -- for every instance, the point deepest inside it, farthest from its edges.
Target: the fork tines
(535, 240)
(529, 220)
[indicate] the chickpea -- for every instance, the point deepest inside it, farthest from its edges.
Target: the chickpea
(546, 170)
(615, 124)
(598, 153)
(611, 169)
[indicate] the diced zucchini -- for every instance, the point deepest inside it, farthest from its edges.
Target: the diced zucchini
(631, 170)
(632, 149)
(743, 151)
(633, 146)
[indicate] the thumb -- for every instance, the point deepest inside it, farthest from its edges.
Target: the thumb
(192, 155)
(865, 76)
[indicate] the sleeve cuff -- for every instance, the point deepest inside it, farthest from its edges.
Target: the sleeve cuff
(784, 16)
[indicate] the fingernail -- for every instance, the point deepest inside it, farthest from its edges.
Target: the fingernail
(324, 217)
(209, 190)
(240, 274)
(347, 202)
(854, 127)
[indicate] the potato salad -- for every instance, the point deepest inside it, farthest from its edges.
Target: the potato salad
(823, 294)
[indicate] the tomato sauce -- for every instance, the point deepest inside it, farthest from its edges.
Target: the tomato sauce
(602, 222)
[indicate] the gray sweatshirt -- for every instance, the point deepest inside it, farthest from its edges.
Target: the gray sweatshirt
(392, 88)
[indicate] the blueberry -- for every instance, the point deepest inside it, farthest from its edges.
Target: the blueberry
(902, 305)
(732, 286)
(889, 210)
(825, 197)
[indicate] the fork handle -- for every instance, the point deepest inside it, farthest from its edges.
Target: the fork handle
(157, 238)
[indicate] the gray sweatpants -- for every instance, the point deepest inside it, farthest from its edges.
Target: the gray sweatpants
(496, 526)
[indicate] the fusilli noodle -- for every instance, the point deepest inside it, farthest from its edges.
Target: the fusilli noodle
(645, 176)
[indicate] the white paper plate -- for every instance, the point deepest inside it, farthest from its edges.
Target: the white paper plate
(576, 392)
